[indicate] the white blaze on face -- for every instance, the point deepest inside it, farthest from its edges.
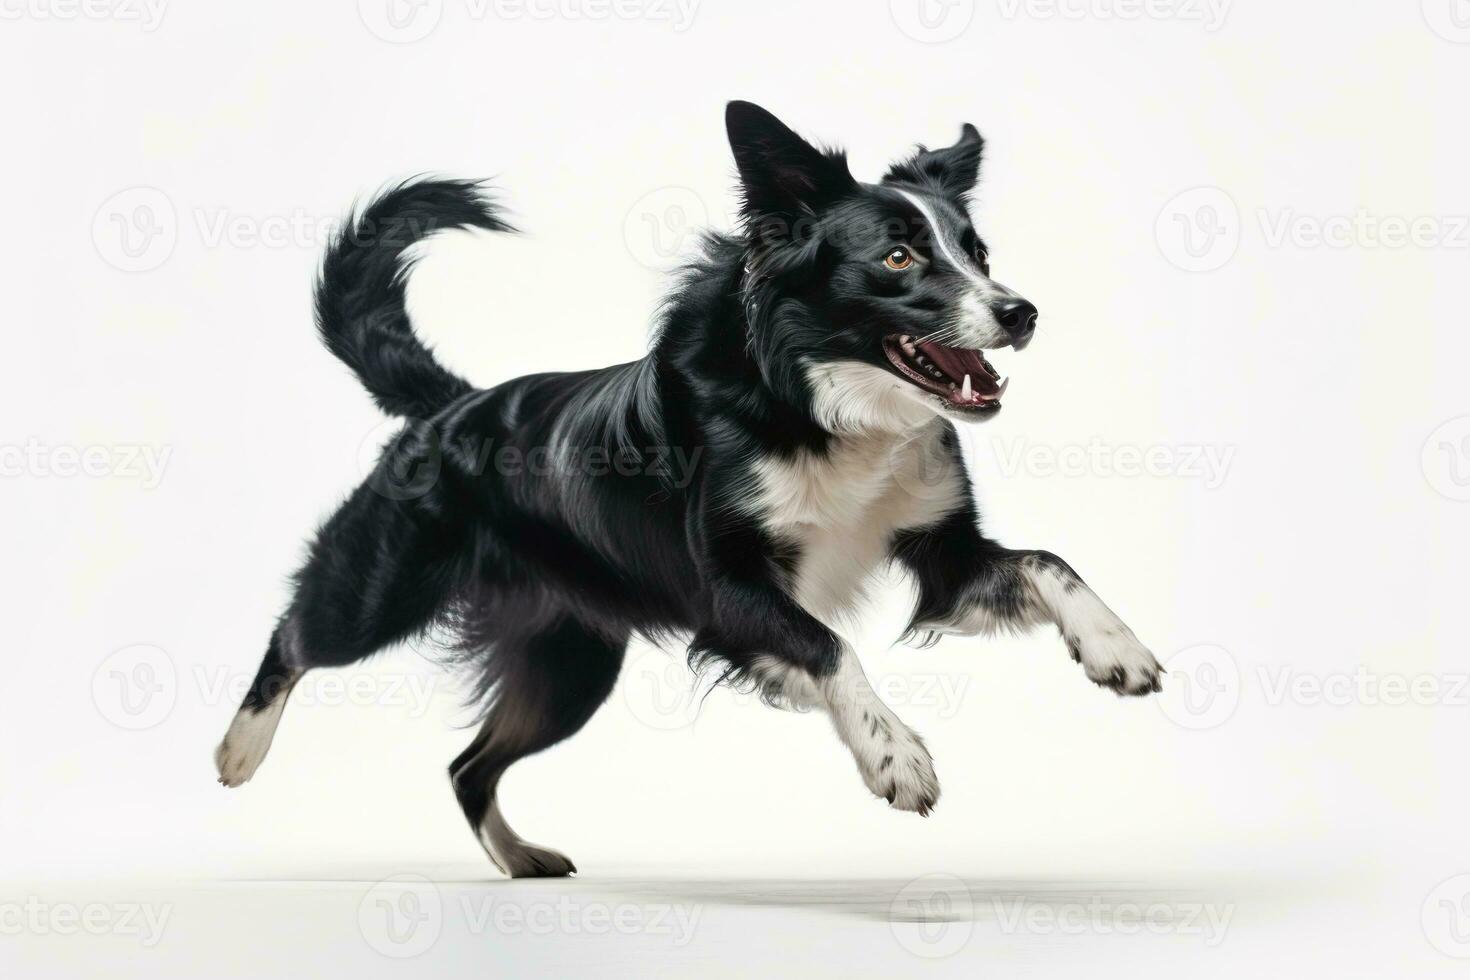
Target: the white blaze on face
(974, 325)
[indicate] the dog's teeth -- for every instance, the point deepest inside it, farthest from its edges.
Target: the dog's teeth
(965, 391)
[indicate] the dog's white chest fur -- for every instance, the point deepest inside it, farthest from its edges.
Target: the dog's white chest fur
(842, 509)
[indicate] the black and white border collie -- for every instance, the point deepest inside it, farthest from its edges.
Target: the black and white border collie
(812, 366)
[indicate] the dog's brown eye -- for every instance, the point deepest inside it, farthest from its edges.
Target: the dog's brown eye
(899, 259)
(983, 258)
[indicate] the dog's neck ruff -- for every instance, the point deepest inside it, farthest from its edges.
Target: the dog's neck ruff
(854, 398)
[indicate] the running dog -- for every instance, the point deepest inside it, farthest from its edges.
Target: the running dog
(811, 368)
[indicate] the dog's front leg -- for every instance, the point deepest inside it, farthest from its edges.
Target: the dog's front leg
(891, 757)
(969, 585)
(766, 636)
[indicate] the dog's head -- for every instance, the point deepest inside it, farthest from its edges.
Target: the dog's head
(873, 302)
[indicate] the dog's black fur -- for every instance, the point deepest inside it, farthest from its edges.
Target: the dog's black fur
(547, 571)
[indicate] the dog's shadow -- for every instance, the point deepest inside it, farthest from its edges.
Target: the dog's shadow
(939, 897)
(929, 898)
(888, 899)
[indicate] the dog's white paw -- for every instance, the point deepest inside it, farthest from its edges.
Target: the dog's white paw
(246, 743)
(237, 760)
(898, 768)
(1113, 658)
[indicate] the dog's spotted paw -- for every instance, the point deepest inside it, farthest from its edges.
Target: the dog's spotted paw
(902, 772)
(1115, 659)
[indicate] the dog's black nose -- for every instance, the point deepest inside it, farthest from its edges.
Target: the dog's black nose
(1018, 318)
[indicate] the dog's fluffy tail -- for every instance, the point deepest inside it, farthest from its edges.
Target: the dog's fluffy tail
(360, 293)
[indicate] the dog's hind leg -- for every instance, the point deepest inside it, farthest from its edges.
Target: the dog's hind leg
(379, 572)
(250, 734)
(545, 687)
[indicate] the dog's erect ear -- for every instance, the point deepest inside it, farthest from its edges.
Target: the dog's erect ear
(951, 171)
(781, 174)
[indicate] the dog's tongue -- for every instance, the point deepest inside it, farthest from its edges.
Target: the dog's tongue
(958, 362)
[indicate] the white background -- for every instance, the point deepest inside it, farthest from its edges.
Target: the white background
(171, 174)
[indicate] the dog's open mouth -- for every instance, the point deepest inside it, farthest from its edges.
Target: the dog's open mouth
(964, 378)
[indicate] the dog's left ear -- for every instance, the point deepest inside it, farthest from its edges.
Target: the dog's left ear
(951, 171)
(781, 175)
